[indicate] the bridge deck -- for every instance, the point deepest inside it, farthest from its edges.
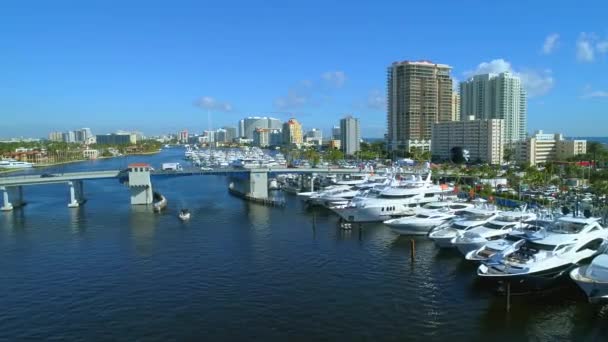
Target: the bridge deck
(90, 175)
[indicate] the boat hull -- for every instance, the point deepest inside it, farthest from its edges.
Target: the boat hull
(595, 290)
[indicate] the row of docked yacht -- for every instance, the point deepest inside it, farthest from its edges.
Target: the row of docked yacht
(394, 197)
(531, 249)
(246, 157)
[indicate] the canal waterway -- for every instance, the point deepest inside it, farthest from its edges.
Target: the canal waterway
(241, 271)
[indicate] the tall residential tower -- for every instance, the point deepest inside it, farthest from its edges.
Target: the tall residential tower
(496, 96)
(350, 135)
(419, 95)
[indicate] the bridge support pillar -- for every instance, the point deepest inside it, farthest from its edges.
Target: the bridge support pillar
(258, 184)
(140, 184)
(6, 205)
(76, 194)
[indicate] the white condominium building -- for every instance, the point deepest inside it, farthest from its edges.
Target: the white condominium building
(541, 148)
(496, 96)
(482, 139)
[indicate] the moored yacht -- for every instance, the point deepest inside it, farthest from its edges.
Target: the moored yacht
(470, 218)
(14, 164)
(494, 229)
(541, 261)
(427, 217)
(393, 200)
(593, 278)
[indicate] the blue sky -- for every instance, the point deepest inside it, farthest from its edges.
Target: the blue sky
(159, 66)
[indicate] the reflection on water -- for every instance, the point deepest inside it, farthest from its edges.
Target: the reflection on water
(143, 227)
(237, 270)
(78, 219)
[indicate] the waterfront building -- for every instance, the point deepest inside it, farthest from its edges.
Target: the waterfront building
(90, 154)
(55, 136)
(496, 96)
(250, 124)
(274, 123)
(261, 137)
(419, 95)
(480, 140)
(314, 136)
(455, 106)
(229, 135)
(183, 137)
(69, 137)
(350, 135)
(241, 128)
(541, 148)
(209, 136)
(292, 132)
(334, 144)
(335, 133)
(113, 139)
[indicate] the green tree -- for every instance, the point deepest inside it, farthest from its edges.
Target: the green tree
(334, 155)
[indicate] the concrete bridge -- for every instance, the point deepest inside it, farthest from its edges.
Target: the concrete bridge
(251, 182)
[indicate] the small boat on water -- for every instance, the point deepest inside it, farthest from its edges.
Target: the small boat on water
(184, 214)
(160, 202)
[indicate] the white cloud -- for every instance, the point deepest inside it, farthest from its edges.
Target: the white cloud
(589, 93)
(309, 92)
(602, 46)
(293, 99)
(584, 48)
(334, 78)
(376, 100)
(495, 66)
(536, 82)
(209, 103)
(551, 43)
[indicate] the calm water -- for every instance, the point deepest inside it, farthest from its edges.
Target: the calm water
(239, 271)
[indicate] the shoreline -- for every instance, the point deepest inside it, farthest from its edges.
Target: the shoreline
(85, 160)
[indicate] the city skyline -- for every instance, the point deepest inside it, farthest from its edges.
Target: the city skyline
(108, 68)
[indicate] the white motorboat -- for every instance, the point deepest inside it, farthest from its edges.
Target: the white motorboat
(593, 278)
(14, 164)
(470, 218)
(273, 184)
(421, 223)
(539, 262)
(317, 198)
(184, 214)
(494, 229)
(393, 200)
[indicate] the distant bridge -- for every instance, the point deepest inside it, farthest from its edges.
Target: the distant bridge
(138, 177)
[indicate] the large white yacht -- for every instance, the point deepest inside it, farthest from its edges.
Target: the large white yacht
(569, 241)
(14, 164)
(392, 201)
(593, 278)
(494, 229)
(470, 218)
(427, 217)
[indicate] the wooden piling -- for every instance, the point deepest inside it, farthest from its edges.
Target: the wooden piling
(412, 250)
(508, 296)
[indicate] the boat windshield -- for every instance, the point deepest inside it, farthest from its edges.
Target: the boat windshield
(434, 206)
(459, 226)
(533, 246)
(566, 227)
(422, 216)
(473, 216)
(509, 218)
(491, 225)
